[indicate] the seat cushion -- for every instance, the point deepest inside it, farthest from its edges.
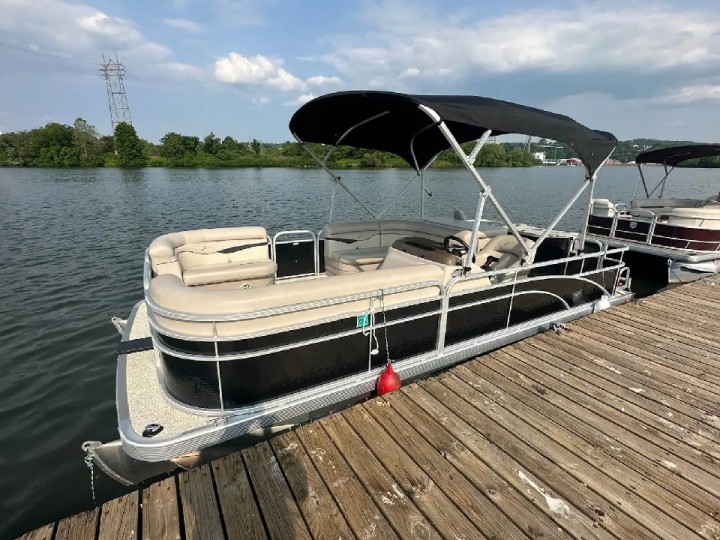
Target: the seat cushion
(363, 256)
(355, 260)
(224, 272)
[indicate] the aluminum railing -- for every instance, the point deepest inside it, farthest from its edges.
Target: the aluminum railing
(652, 219)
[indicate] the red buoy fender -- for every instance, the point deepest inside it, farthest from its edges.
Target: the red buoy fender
(388, 381)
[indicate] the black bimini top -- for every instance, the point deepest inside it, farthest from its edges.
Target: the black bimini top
(678, 154)
(394, 123)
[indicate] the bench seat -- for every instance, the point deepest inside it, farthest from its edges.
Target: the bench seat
(254, 273)
(170, 293)
(226, 258)
(361, 246)
(356, 260)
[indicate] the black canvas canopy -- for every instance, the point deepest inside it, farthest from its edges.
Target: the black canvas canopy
(393, 122)
(678, 154)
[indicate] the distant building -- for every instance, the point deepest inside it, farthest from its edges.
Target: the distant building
(539, 156)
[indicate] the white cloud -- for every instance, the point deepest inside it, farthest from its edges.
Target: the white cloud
(300, 100)
(255, 70)
(411, 44)
(263, 100)
(73, 28)
(690, 94)
(78, 33)
(184, 24)
(261, 70)
(320, 81)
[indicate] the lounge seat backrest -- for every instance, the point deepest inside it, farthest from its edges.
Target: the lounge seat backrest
(641, 207)
(506, 249)
(176, 252)
(169, 292)
(344, 236)
(391, 230)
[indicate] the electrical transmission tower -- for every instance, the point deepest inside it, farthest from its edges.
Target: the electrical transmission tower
(114, 72)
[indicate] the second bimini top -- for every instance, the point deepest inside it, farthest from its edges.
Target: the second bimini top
(678, 154)
(402, 124)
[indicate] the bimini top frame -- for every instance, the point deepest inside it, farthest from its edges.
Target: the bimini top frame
(671, 157)
(417, 128)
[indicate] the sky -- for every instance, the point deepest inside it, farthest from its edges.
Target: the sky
(242, 67)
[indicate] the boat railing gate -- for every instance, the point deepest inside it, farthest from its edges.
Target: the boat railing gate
(297, 237)
(622, 211)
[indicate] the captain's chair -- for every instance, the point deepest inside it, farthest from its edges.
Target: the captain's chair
(501, 252)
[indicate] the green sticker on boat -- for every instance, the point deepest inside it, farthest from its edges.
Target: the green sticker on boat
(363, 321)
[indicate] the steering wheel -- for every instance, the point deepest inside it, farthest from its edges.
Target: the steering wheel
(455, 246)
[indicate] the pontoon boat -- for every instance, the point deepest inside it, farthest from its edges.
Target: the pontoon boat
(241, 333)
(680, 237)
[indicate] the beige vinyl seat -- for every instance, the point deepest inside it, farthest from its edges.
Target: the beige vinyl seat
(168, 292)
(226, 258)
(707, 217)
(362, 246)
(641, 207)
(501, 252)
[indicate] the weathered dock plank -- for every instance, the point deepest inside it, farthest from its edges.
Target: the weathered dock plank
(237, 502)
(277, 504)
(78, 527)
(609, 429)
(119, 518)
(200, 512)
(160, 515)
(321, 512)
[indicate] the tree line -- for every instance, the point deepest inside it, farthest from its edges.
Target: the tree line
(80, 145)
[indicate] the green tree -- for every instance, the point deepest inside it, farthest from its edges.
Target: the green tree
(52, 146)
(211, 144)
(85, 141)
(179, 149)
(128, 146)
(255, 147)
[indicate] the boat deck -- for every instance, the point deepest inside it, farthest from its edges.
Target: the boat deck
(607, 429)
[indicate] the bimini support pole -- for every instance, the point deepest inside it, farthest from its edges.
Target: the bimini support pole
(469, 165)
(334, 176)
(583, 231)
(560, 215)
(664, 180)
(403, 190)
(476, 226)
(642, 178)
(591, 179)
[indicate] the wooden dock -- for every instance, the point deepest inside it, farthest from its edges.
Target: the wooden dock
(608, 429)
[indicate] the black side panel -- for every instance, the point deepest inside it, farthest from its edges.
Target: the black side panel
(272, 375)
(192, 382)
(294, 336)
(531, 306)
(295, 258)
(265, 377)
(471, 322)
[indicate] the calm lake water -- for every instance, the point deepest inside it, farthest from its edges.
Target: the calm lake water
(71, 246)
